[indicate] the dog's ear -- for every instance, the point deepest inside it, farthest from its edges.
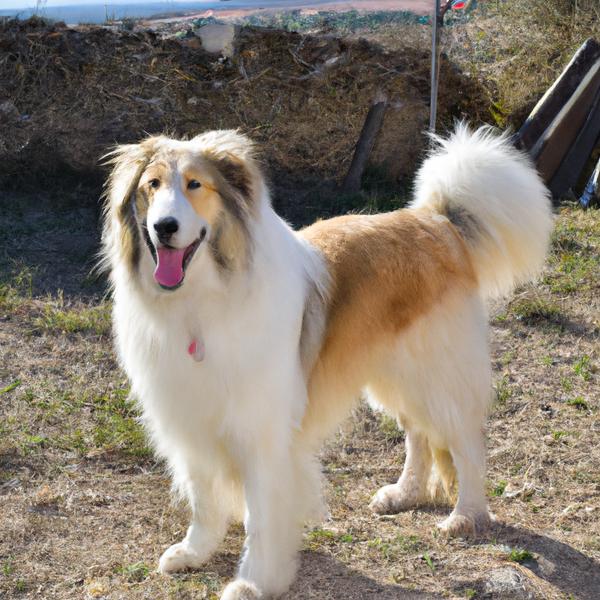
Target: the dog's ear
(121, 233)
(234, 156)
(235, 172)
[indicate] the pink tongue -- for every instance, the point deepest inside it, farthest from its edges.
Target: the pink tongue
(169, 270)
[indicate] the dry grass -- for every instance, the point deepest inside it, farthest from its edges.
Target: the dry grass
(74, 92)
(86, 510)
(515, 48)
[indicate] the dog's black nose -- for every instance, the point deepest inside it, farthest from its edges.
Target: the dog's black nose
(165, 228)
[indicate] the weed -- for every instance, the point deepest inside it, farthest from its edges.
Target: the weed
(136, 572)
(74, 441)
(10, 387)
(583, 367)
(499, 488)
(7, 568)
(532, 311)
(519, 555)
(503, 391)
(470, 593)
(400, 544)
(578, 402)
(116, 425)
(429, 562)
(566, 384)
(559, 435)
(408, 543)
(17, 288)
(318, 537)
(389, 427)
(35, 440)
(94, 319)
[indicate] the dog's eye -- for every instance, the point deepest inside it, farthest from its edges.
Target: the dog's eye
(193, 184)
(154, 183)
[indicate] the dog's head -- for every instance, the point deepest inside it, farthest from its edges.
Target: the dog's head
(168, 201)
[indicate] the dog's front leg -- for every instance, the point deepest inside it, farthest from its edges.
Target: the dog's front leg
(273, 527)
(210, 515)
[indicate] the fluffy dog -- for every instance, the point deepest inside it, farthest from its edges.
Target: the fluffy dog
(246, 342)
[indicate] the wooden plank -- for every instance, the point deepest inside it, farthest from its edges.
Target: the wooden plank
(365, 143)
(553, 145)
(557, 95)
(575, 160)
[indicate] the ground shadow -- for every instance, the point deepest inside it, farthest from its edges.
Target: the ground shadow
(555, 562)
(49, 243)
(321, 577)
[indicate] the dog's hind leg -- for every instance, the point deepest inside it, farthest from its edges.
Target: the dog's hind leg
(210, 502)
(470, 515)
(411, 489)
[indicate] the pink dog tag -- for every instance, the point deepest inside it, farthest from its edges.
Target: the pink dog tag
(196, 350)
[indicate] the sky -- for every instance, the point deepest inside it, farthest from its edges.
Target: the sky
(50, 3)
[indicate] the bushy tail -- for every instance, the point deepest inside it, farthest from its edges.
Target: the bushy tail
(492, 193)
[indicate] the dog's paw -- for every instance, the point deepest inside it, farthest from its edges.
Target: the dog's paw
(392, 499)
(180, 557)
(459, 525)
(241, 589)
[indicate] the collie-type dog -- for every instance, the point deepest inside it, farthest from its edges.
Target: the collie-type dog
(247, 342)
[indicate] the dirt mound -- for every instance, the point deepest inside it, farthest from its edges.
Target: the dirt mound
(67, 94)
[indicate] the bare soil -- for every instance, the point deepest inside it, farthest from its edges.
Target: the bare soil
(86, 511)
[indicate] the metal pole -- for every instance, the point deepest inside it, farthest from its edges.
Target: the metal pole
(435, 41)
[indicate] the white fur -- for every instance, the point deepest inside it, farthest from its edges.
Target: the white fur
(229, 427)
(225, 425)
(484, 174)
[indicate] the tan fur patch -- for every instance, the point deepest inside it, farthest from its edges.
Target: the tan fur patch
(387, 270)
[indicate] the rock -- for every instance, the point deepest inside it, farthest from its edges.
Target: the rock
(8, 110)
(217, 38)
(526, 491)
(506, 583)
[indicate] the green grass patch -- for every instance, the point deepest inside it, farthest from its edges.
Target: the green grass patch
(317, 538)
(578, 402)
(7, 567)
(503, 391)
(10, 387)
(391, 432)
(57, 320)
(80, 423)
(499, 488)
(429, 562)
(116, 425)
(532, 311)
(566, 384)
(583, 367)
(135, 573)
(519, 555)
(575, 257)
(16, 285)
(392, 549)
